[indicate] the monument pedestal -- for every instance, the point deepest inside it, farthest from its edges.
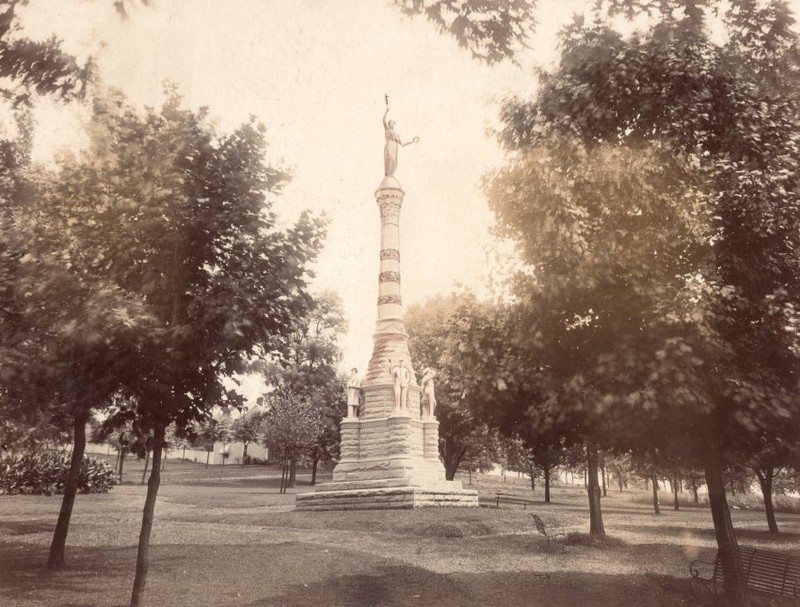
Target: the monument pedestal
(390, 455)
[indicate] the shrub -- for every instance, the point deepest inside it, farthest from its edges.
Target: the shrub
(46, 474)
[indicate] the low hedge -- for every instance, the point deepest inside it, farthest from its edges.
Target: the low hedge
(46, 474)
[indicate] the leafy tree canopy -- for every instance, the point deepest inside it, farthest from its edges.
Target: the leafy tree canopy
(492, 30)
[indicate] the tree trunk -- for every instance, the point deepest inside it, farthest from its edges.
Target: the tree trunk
(146, 462)
(694, 491)
(619, 480)
(452, 463)
(675, 486)
(244, 457)
(284, 475)
(532, 472)
(765, 477)
(208, 456)
(314, 465)
(733, 489)
(469, 471)
(164, 461)
(603, 471)
(593, 489)
(292, 474)
(546, 471)
(654, 481)
(727, 545)
(142, 554)
(56, 557)
(121, 462)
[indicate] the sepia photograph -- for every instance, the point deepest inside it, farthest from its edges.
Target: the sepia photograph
(398, 303)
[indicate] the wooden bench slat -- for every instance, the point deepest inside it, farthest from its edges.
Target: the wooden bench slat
(508, 498)
(763, 572)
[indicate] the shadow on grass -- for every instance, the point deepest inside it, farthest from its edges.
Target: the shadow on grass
(26, 527)
(24, 575)
(708, 533)
(396, 586)
(299, 574)
(269, 482)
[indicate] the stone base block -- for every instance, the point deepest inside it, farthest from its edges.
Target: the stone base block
(362, 496)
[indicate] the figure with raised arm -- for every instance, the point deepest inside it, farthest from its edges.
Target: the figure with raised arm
(392, 142)
(401, 378)
(428, 395)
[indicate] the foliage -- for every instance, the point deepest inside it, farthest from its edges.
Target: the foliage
(463, 435)
(170, 261)
(45, 473)
(210, 431)
(491, 30)
(247, 428)
(167, 227)
(122, 429)
(308, 368)
(33, 67)
(652, 187)
(292, 426)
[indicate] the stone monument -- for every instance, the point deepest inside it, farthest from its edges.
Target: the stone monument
(390, 454)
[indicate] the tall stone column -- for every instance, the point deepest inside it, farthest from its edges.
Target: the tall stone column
(390, 339)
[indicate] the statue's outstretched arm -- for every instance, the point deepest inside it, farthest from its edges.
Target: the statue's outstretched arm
(414, 140)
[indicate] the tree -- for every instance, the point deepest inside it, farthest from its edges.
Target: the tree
(485, 451)
(308, 372)
(462, 433)
(503, 382)
(171, 212)
(695, 242)
(292, 427)
(75, 334)
(492, 30)
(247, 429)
(209, 432)
(31, 67)
(29, 349)
(767, 463)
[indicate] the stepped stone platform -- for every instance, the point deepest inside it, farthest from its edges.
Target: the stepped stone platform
(385, 494)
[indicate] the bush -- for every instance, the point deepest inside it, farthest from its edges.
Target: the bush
(46, 474)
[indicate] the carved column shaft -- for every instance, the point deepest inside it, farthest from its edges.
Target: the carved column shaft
(390, 305)
(391, 340)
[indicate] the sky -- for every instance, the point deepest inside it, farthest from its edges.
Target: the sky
(315, 73)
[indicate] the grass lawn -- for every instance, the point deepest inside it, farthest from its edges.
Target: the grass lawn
(225, 536)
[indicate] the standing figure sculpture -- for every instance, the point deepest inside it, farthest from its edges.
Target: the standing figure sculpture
(353, 393)
(428, 396)
(392, 142)
(401, 378)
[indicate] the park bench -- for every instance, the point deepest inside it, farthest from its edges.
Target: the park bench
(509, 498)
(553, 535)
(772, 576)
